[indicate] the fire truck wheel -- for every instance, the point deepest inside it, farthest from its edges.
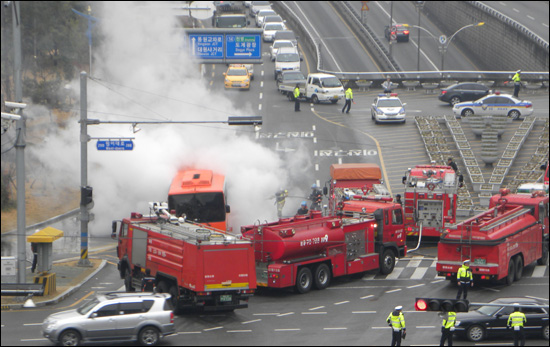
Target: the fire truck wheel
(162, 287)
(511, 272)
(519, 267)
(149, 336)
(387, 262)
(544, 259)
(304, 280)
(128, 281)
(322, 276)
(475, 333)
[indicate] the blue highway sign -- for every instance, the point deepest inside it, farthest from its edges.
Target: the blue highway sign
(243, 46)
(206, 46)
(115, 145)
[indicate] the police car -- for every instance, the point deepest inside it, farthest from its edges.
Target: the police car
(495, 104)
(388, 109)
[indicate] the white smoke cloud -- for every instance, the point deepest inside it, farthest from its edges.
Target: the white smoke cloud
(139, 73)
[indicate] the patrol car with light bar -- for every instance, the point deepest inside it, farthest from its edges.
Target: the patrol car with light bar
(388, 109)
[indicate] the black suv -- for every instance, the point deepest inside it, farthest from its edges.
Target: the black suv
(460, 92)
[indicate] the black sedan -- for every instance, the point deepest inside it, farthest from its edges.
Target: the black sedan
(488, 321)
(463, 92)
(400, 31)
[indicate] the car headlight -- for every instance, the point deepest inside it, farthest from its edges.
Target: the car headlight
(227, 80)
(246, 80)
(379, 112)
(50, 325)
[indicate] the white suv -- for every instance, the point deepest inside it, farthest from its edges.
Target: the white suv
(287, 58)
(142, 317)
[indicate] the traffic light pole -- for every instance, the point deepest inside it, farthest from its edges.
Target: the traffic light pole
(84, 138)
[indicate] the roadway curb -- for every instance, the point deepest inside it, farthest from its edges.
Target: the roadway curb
(61, 296)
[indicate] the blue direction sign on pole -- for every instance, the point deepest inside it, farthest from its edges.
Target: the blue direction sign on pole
(243, 46)
(115, 145)
(206, 46)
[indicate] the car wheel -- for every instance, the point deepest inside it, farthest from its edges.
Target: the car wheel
(514, 114)
(467, 112)
(304, 280)
(511, 272)
(334, 101)
(149, 336)
(315, 99)
(519, 267)
(387, 262)
(322, 276)
(475, 333)
(455, 100)
(545, 332)
(69, 338)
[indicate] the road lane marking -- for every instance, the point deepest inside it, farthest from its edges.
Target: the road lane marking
(312, 313)
(31, 324)
(363, 312)
(416, 285)
(316, 308)
(210, 329)
(381, 327)
(261, 84)
(239, 331)
(293, 329)
(261, 96)
(396, 272)
(188, 332)
(393, 290)
(437, 281)
(342, 328)
(341, 302)
(259, 107)
(252, 321)
(425, 327)
(266, 314)
(285, 314)
(366, 297)
(418, 273)
(539, 271)
(414, 263)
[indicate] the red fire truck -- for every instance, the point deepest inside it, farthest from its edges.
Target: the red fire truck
(430, 199)
(198, 265)
(309, 250)
(499, 242)
(200, 196)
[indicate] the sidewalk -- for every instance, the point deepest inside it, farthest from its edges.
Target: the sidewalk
(70, 278)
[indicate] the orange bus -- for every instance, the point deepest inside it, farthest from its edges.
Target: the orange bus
(200, 196)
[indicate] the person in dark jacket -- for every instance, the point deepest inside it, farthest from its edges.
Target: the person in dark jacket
(148, 282)
(452, 164)
(303, 209)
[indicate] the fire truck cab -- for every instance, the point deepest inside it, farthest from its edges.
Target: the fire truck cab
(430, 199)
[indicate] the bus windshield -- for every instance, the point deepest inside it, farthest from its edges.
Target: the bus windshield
(200, 207)
(231, 22)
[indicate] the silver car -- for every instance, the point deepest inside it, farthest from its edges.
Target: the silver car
(142, 317)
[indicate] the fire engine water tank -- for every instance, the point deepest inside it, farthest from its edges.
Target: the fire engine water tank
(296, 240)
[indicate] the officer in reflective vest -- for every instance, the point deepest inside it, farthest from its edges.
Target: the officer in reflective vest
(397, 322)
(447, 328)
(349, 99)
(296, 96)
(517, 83)
(516, 321)
(465, 279)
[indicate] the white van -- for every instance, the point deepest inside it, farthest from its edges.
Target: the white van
(287, 58)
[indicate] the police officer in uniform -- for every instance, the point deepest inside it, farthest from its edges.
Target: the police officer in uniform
(516, 321)
(517, 83)
(465, 279)
(349, 99)
(447, 328)
(147, 282)
(397, 322)
(296, 96)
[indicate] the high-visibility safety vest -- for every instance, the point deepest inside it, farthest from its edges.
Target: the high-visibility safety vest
(517, 318)
(397, 322)
(516, 78)
(464, 274)
(449, 321)
(349, 94)
(296, 92)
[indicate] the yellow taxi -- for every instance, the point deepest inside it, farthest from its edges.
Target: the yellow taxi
(237, 77)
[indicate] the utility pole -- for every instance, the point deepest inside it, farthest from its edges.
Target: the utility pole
(85, 191)
(20, 144)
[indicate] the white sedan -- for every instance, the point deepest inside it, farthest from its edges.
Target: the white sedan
(274, 48)
(270, 29)
(495, 104)
(388, 109)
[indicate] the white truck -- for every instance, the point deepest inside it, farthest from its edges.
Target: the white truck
(318, 87)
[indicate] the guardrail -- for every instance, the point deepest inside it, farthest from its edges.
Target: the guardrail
(22, 289)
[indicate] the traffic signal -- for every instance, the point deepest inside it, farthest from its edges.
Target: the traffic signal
(445, 305)
(86, 195)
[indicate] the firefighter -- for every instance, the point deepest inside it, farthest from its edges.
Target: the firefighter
(396, 320)
(398, 199)
(465, 279)
(452, 164)
(147, 282)
(303, 208)
(316, 197)
(280, 197)
(447, 328)
(516, 321)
